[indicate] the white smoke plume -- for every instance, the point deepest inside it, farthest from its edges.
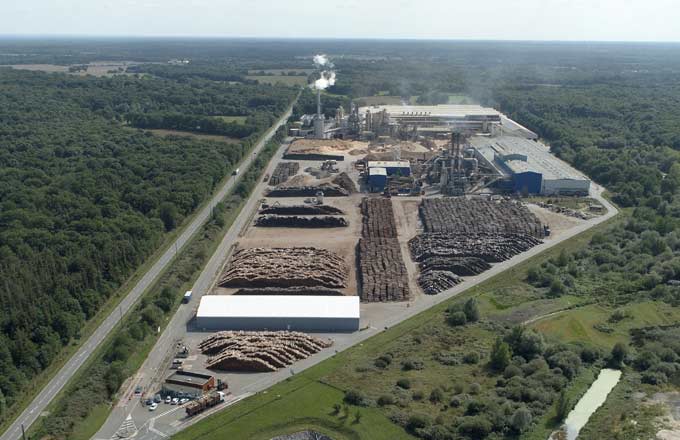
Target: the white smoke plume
(326, 72)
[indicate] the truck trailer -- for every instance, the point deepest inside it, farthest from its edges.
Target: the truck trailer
(201, 404)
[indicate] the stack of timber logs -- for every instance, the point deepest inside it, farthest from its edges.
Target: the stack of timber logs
(285, 267)
(286, 221)
(258, 351)
(283, 171)
(382, 273)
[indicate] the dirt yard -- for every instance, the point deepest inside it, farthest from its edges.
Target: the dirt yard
(558, 223)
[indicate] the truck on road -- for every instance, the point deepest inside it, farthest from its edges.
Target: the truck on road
(201, 404)
(187, 296)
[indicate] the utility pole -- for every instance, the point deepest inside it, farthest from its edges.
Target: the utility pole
(23, 432)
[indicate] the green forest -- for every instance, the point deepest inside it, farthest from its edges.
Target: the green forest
(86, 196)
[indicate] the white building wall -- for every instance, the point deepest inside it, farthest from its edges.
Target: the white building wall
(551, 187)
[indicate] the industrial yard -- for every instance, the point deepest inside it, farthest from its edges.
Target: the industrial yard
(358, 223)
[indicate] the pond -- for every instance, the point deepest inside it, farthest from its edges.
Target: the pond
(591, 401)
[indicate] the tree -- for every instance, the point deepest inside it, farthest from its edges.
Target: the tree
(521, 420)
(562, 407)
(500, 355)
(471, 310)
(168, 215)
(457, 318)
(619, 354)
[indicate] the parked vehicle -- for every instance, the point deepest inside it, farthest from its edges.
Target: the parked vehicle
(183, 400)
(235, 172)
(149, 402)
(138, 389)
(187, 296)
(174, 401)
(205, 402)
(183, 353)
(168, 399)
(153, 406)
(157, 398)
(176, 364)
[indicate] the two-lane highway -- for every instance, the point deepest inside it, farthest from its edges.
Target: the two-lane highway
(42, 400)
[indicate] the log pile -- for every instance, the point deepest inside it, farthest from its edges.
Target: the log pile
(434, 281)
(296, 291)
(307, 191)
(258, 351)
(285, 267)
(344, 181)
(492, 248)
(458, 215)
(382, 273)
(283, 171)
(302, 210)
(286, 221)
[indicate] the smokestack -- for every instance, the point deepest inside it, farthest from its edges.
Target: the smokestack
(318, 103)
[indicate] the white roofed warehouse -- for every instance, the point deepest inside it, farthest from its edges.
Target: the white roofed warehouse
(279, 312)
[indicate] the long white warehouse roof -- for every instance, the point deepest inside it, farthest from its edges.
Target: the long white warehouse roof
(278, 306)
(442, 110)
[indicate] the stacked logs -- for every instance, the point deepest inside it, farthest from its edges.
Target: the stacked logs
(283, 171)
(492, 248)
(302, 210)
(283, 221)
(285, 267)
(296, 291)
(258, 351)
(458, 215)
(307, 191)
(344, 181)
(382, 273)
(434, 281)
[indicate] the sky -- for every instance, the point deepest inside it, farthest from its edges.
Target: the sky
(569, 20)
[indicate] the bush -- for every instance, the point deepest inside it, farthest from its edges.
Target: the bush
(477, 427)
(386, 399)
(475, 388)
(512, 371)
(456, 319)
(471, 357)
(404, 384)
(418, 421)
(500, 355)
(436, 395)
(471, 310)
(354, 397)
(618, 355)
(521, 420)
(412, 364)
(589, 355)
(418, 395)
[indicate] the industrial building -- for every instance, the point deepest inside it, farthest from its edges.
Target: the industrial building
(529, 166)
(377, 179)
(428, 120)
(392, 167)
(274, 312)
(188, 383)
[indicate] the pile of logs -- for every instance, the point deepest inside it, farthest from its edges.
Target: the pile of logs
(382, 273)
(283, 171)
(458, 215)
(285, 267)
(328, 190)
(461, 266)
(258, 351)
(434, 281)
(302, 210)
(492, 248)
(344, 181)
(285, 221)
(295, 291)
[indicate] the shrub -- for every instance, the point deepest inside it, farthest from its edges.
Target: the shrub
(354, 397)
(418, 421)
(471, 357)
(412, 364)
(457, 318)
(475, 388)
(386, 399)
(521, 420)
(404, 384)
(380, 363)
(458, 387)
(589, 355)
(476, 427)
(436, 395)
(418, 395)
(471, 310)
(619, 354)
(500, 355)
(512, 371)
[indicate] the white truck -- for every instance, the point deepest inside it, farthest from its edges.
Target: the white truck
(187, 296)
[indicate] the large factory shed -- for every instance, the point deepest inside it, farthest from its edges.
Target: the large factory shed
(400, 167)
(530, 166)
(279, 312)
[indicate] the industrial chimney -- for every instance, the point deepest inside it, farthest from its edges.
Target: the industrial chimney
(319, 119)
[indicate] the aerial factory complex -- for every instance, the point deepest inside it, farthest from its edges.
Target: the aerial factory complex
(361, 215)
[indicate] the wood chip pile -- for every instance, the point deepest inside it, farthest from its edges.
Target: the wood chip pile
(382, 273)
(258, 351)
(288, 221)
(283, 171)
(307, 191)
(285, 267)
(458, 215)
(302, 210)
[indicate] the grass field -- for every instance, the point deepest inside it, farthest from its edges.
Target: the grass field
(279, 79)
(206, 137)
(229, 119)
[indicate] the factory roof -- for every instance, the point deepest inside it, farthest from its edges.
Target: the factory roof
(278, 306)
(444, 110)
(389, 164)
(522, 155)
(375, 171)
(189, 378)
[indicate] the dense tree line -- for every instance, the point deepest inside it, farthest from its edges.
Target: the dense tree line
(84, 199)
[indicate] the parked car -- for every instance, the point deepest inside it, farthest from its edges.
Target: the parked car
(175, 401)
(157, 398)
(183, 401)
(149, 402)
(153, 406)
(168, 399)
(138, 389)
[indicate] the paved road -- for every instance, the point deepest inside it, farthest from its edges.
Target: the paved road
(40, 402)
(377, 316)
